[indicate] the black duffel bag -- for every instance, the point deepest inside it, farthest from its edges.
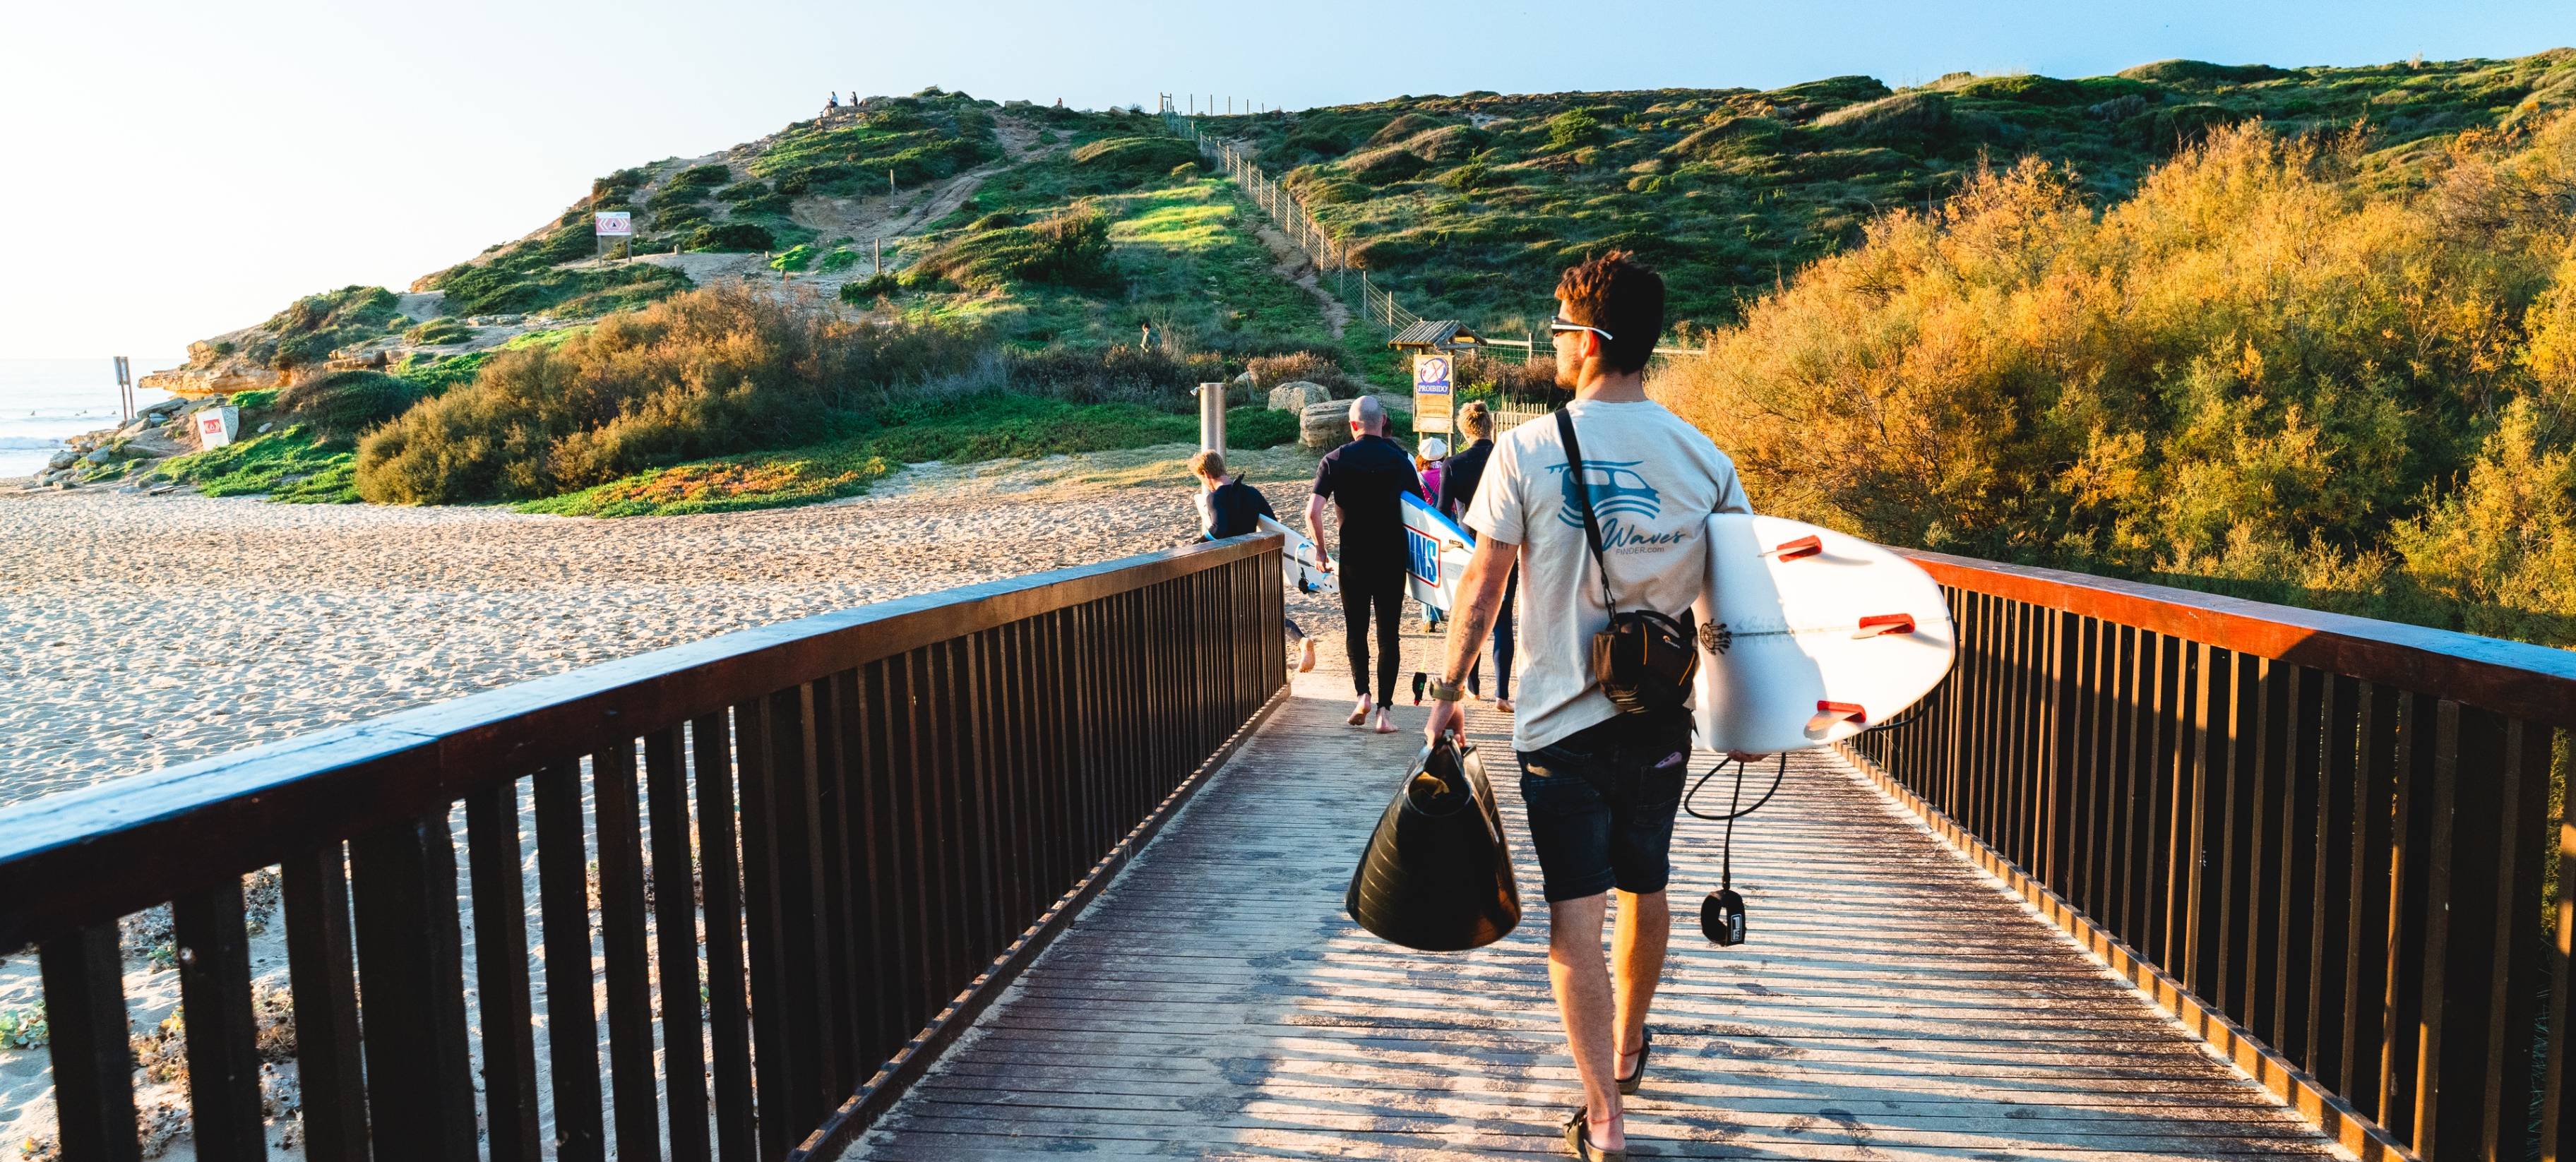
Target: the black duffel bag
(1437, 875)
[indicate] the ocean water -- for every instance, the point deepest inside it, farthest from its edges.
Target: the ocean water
(44, 402)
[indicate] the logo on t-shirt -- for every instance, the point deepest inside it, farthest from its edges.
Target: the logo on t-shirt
(1617, 490)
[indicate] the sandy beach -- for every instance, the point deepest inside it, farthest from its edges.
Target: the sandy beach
(140, 632)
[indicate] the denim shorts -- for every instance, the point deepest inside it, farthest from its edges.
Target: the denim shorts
(1601, 804)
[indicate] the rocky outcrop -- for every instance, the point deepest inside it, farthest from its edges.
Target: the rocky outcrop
(218, 380)
(1322, 427)
(1297, 396)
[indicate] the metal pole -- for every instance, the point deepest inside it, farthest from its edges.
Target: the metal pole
(1212, 417)
(879, 245)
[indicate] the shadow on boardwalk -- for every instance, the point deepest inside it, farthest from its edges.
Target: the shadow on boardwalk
(1892, 1002)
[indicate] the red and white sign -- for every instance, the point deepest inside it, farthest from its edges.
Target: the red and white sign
(216, 425)
(615, 224)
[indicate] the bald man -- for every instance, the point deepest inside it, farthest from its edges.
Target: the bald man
(1365, 479)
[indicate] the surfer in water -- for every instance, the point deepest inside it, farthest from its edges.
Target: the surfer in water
(1364, 479)
(1231, 508)
(1601, 785)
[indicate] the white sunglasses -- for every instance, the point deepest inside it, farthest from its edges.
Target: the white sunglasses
(1555, 325)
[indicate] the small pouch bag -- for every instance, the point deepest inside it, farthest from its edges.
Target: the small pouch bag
(1645, 661)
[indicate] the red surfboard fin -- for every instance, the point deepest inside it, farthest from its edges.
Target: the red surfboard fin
(1829, 713)
(1880, 623)
(1806, 546)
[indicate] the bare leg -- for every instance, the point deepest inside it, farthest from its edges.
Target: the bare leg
(1637, 942)
(1583, 999)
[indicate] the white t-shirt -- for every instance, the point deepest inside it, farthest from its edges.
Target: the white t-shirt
(1654, 481)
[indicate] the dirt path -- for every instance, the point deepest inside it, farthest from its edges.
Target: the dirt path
(1296, 266)
(863, 219)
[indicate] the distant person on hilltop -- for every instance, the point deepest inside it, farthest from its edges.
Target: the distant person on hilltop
(1366, 478)
(1232, 508)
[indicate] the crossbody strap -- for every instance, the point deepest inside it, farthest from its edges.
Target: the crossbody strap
(1583, 501)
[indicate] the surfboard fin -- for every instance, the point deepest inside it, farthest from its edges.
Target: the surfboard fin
(1806, 546)
(1883, 623)
(1829, 713)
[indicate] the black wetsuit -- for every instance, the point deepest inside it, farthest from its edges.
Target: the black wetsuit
(1365, 478)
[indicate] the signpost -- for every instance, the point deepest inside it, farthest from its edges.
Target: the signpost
(125, 386)
(1431, 395)
(609, 224)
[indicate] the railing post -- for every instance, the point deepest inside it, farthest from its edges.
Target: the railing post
(420, 1087)
(93, 1062)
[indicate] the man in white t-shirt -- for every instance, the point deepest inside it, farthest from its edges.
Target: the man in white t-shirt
(1601, 786)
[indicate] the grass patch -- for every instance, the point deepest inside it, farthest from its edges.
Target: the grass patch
(957, 431)
(293, 466)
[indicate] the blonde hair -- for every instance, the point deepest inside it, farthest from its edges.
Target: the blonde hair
(1476, 420)
(1209, 463)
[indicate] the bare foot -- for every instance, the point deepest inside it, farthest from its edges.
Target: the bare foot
(1385, 722)
(1305, 655)
(1503, 704)
(1359, 713)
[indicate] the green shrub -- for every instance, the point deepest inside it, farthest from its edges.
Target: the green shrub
(1128, 161)
(743, 237)
(439, 331)
(719, 370)
(744, 191)
(673, 217)
(1069, 249)
(796, 257)
(434, 374)
(867, 289)
(345, 404)
(294, 466)
(1572, 129)
(697, 181)
(250, 401)
(499, 290)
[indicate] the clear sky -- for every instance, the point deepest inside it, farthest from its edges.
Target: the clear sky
(180, 169)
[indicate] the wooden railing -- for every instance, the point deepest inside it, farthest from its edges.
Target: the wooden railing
(894, 807)
(2326, 843)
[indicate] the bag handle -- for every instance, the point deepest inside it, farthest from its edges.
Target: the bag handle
(1583, 501)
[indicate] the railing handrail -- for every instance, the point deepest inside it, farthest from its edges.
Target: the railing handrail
(82, 856)
(2531, 682)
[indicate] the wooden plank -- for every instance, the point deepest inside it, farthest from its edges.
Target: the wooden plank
(322, 966)
(563, 911)
(493, 859)
(728, 1005)
(765, 922)
(675, 937)
(619, 824)
(2370, 893)
(223, 1039)
(411, 970)
(93, 1061)
(1219, 997)
(2514, 969)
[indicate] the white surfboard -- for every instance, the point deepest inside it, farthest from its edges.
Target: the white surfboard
(1299, 564)
(1436, 550)
(1808, 636)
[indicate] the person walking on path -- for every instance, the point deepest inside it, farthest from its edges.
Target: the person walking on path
(1232, 508)
(1459, 477)
(1600, 784)
(1364, 479)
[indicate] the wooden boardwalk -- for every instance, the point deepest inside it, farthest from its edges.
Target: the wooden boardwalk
(1892, 1003)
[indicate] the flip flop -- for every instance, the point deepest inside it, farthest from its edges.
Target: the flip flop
(1578, 1137)
(1630, 1083)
